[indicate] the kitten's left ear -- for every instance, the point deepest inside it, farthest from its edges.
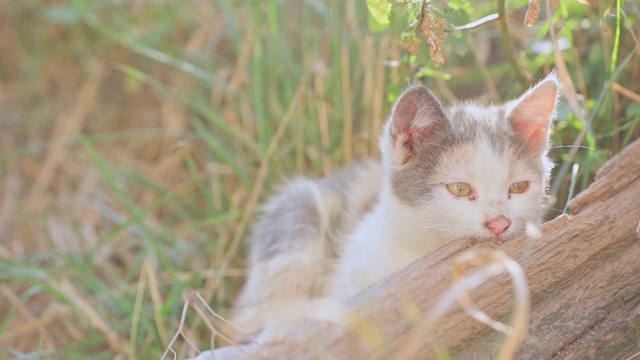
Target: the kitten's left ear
(531, 114)
(416, 118)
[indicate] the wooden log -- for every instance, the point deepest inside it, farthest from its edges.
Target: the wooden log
(583, 275)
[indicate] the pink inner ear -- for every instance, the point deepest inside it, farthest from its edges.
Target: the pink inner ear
(409, 137)
(406, 127)
(532, 123)
(533, 114)
(407, 109)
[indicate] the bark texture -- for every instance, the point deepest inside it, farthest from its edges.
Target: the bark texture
(583, 275)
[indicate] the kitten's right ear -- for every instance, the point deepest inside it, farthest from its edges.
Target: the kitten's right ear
(531, 115)
(414, 117)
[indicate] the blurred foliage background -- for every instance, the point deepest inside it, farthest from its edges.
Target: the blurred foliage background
(139, 138)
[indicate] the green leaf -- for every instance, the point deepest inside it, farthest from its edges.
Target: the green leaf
(403, 15)
(379, 10)
(459, 42)
(432, 73)
(376, 27)
(459, 4)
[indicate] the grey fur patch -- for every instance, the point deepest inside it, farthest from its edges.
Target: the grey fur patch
(466, 124)
(324, 210)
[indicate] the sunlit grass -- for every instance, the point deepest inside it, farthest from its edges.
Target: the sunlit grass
(140, 138)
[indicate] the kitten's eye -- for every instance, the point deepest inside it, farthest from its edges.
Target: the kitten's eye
(459, 189)
(519, 187)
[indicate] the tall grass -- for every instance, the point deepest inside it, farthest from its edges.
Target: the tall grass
(140, 138)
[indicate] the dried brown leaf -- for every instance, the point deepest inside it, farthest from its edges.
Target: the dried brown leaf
(433, 30)
(533, 12)
(425, 25)
(412, 44)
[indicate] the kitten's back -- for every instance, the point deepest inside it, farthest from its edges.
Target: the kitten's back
(298, 238)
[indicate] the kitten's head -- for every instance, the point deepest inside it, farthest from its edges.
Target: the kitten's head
(470, 170)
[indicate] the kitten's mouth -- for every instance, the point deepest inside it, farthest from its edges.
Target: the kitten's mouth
(490, 241)
(494, 239)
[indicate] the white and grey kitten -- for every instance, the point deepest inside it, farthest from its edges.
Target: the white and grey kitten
(446, 173)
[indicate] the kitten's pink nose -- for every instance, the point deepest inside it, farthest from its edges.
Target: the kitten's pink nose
(498, 225)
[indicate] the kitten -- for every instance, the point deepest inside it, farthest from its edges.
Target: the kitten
(446, 173)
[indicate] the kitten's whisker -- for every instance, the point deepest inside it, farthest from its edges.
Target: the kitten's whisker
(431, 223)
(530, 157)
(573, 146)
(424, 226)
(438, 145)
(524, 142)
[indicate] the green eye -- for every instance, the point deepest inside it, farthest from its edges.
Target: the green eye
(519, 187)
(459, 189)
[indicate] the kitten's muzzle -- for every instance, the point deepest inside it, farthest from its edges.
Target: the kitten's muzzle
(498, 225)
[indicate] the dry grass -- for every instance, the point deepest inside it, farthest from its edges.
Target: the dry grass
(139, 138)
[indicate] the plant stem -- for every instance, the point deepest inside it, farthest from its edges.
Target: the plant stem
(616, 41)
(523, 78)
